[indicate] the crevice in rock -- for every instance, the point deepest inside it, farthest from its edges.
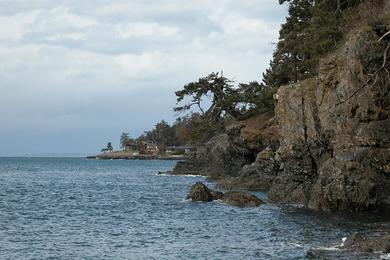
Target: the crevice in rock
(310, 176)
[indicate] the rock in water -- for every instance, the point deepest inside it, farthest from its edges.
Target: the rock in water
(217, 195)
(241, 199)
(360, 243)
(199, 192)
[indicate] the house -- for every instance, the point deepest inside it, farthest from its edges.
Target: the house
(179, 149)
(150, 147)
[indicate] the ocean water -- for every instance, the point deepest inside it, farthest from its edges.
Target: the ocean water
(66, 208)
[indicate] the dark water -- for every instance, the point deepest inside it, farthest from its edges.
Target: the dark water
(81, 209)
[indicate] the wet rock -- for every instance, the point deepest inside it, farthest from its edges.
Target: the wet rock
(241, 199)
(199, 192)
(354, 239)
(360, 243)
(217, 195)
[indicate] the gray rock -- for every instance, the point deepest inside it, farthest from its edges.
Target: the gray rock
(199, 192)
(335, 129)
(360, 243)
(241, 199)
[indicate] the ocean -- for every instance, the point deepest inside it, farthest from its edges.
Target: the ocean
(73, 208)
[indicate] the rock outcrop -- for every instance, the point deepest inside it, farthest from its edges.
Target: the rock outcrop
(335, 130)
(242, 158)
(360, 243)
(241, 199)
(218, 157)
(199, 192)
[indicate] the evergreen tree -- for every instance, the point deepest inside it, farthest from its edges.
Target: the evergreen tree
(311, 30)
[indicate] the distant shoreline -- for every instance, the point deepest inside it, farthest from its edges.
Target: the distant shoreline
(127, 156)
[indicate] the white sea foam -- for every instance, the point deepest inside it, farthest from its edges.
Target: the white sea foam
(335, 247)
(172, 175)
(330, 248)
(193, 175)
(295, 245)
(162, 174)
(343, 239)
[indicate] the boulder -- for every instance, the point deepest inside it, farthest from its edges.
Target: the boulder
(199, 192)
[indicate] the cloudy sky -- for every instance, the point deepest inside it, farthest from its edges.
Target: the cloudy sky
(75, 74)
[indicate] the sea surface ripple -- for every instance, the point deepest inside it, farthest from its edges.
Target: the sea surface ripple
(73, 208)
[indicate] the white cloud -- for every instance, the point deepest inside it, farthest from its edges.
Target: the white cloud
(14, 27)
(60, 17)
(234, 23)
(75, 64)
(145, 29)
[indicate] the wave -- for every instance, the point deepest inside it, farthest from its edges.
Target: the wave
(172, 175)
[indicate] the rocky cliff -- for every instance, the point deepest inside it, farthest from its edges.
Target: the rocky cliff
(335, 130)
(328, 144)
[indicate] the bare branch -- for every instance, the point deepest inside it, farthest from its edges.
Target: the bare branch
(383, 36)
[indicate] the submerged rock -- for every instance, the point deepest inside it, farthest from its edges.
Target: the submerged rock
(200, 192)
(241, 199)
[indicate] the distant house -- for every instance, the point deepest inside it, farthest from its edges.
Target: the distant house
(179, 149)
(130, 147)
(150, 147)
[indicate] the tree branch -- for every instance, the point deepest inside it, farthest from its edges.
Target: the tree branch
(383, 36)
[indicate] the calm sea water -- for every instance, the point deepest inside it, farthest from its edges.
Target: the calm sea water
(64, 208)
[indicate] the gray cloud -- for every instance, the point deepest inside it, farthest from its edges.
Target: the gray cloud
(74, 74)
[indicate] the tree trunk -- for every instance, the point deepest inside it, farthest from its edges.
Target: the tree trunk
(338, 6)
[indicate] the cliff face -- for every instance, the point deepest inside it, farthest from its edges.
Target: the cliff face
(335, 145)
(328, 145)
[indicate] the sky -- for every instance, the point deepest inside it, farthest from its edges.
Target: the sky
(76, 74)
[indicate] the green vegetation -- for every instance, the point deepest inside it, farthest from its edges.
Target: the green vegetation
(312, 30)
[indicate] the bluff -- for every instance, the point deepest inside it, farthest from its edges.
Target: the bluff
(335, 131)
(327, 145)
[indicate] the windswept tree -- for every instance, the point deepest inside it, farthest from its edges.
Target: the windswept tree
(219, 91)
